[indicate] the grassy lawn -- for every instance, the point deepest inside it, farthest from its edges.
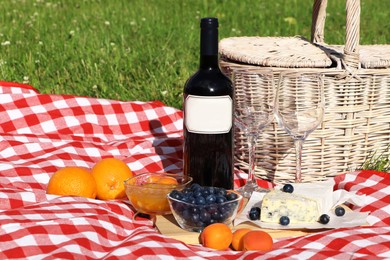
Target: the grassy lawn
(146, 49)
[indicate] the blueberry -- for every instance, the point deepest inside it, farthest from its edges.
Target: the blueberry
(220, 191)
(195, 210)
(339, 211)
(253, 216)
(210, 189)
(197, 193)
(186, 214)
(200, 200)
(195, 187)
(224, 210)
(324, 219)
(178, 206)
(231, 196)
(185, 199)
(175, 194)
(191, 200)
(210, 199)
(288, 188)
(212, 209)
(205, 192)
(195, 218)
(220, 199)
(284, 220)
(186, 191)
(255, 209)
(205, 216)
(217, 216)
(254, 213)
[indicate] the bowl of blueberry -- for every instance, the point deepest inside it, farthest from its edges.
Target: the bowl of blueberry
(196, 207)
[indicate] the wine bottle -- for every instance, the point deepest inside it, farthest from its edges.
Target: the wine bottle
(208, 116)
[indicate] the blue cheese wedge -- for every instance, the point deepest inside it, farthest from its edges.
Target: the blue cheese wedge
(298, 208)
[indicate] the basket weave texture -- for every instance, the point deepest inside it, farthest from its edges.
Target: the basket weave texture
(357, 96)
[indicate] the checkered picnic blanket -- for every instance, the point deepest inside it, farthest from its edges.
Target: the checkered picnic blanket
(40, 133)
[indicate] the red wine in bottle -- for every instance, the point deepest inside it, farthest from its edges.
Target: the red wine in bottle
(208, 116)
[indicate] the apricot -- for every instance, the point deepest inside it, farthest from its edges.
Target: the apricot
(237, 241)
(216, 236)
(257, 240)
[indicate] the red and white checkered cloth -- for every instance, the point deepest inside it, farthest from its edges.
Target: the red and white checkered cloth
(41, 133)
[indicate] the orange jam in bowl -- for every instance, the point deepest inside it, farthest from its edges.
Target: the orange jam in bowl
(147, 192)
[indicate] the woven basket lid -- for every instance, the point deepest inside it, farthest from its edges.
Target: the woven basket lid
(286, 52)
(370, 56)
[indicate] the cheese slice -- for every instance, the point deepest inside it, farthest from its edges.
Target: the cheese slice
(298, 208)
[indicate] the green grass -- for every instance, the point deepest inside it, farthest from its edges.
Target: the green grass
(146, 49)
(378, 161)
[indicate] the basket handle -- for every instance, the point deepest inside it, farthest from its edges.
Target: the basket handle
(351, 48)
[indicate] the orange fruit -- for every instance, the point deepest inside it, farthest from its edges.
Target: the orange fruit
(257, 240)
(217, 236)
(110, 174)
(237, 241)
(72, 181)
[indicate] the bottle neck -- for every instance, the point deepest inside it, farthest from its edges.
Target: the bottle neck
(209, 48)
(209, 62)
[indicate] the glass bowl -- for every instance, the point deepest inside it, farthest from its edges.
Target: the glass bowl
(147, 192)
(192, 216)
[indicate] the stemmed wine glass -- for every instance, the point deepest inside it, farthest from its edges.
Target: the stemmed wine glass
(253, 112)
(299, 108)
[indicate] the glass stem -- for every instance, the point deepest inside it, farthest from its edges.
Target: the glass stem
(298, 153)
(252, 149)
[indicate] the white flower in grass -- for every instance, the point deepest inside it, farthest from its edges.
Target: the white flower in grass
(107, 23)
(71, 32)
(112, 43)
(143, 19)
(94, 87)
(25, 79)
(5, 43)
(132, 23)
(40, 43)
(164, 92)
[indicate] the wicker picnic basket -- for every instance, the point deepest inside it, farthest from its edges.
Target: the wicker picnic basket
(357, 96)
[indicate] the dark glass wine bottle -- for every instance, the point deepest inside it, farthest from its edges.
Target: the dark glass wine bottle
(208, 116)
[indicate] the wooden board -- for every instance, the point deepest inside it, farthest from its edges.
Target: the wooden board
(168, 226)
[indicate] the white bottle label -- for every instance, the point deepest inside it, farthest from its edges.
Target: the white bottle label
(208, 114)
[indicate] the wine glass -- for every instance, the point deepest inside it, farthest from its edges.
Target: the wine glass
(299, 108)
(253, 112)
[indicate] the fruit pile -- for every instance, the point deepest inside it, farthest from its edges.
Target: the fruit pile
(196, 207)
(219, 236)
(104, 181)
